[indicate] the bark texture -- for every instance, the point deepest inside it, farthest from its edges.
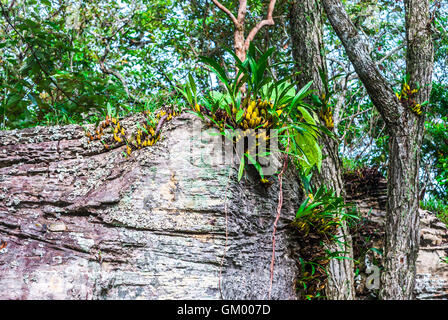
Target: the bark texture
(308, 52)
(82, 222)
(405, 129)
(307, 44)
(403, 202)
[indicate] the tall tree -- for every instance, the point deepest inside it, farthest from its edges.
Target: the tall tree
(405, 128)
(308, 52)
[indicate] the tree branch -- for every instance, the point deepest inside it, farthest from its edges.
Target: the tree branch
(115, 73)
(390, 53)
(382, 95)
(420, 47)
(226, 11)
(124, 22)
(242, 11)
(269, 21)
(33, 52)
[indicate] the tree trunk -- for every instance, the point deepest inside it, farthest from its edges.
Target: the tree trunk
(402, 227)
(240, 52)
(239, 39)
(405, 130)
(307, 44)
(308, 52)
(402, 220)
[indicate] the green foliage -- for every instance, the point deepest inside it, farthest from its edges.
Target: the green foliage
(254, 100)
(189, 91)
(435, 153)
(317, 220)
(209, 31)
(310, 281)
(62, 63)
(437, 206)
(321, 212)
(351, 165)
(435, 144)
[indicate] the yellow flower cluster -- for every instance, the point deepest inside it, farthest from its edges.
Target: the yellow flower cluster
(146, 135)
(252, 115)
(406, 97)
(327, 117)
(256, 114)
(254, 136)
(316, 223)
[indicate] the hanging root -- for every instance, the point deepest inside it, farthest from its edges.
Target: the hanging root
(227, 236)
(279, 210)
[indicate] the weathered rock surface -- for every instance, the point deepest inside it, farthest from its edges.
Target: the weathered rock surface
(82, 222)
(432, 273)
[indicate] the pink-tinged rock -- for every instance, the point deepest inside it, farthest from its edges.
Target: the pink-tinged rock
(82, 222)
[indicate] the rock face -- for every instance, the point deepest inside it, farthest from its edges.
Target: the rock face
(81, 222)
(78, 221)
(432, 273)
